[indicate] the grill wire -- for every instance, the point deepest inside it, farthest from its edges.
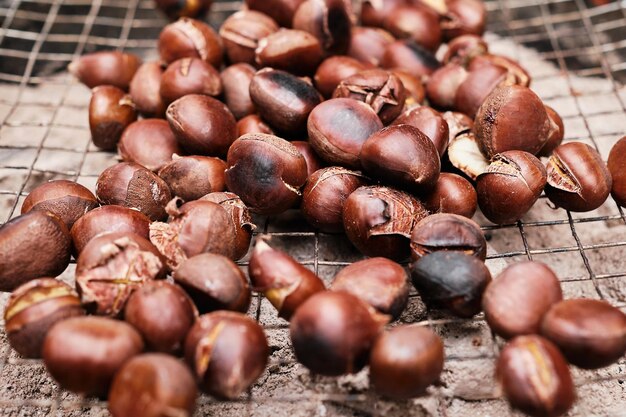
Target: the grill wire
(44, 136)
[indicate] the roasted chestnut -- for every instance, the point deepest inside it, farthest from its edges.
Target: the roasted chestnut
(417, 22)
(444, 83)
(313, 162)
(556, 135)
(190, 38)
(463, 17)
(280, 10)
(327, 20)
(368, 44)
(144, 90)
(253, 124)
(148, 142)
(617, 168)
(452, 194)
(189, 76)
(294, 51)
(191, 177)
(465, 155)
(241, 33)
(374, 12)
(111, 110)
(475, 86)
(430, 122)
(462, 49)
(335, 69)
(414, 88)
(236, 80)
(409, 56)
(105, 68)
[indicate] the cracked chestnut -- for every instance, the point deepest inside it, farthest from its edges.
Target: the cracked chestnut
(295, 51)
(335, 69)
(241, 33)
(556, 134)
(189, 75)
(465, 155)
(617, 169)
(111, 110)
(190, 38)
(191, 177)
(452, 194)
(148, 142)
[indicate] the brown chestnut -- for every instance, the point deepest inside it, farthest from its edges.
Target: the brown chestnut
(516, 74)
(253, 124)
(447, 232)
(465, 155)
(227, 352)
(105, 68)
(214, 282)
(404, 361)
(556, 134)
(402, 155)
(417, 22)
(463, 17)
(327, 20)
(381, 283)
(332, 333)
(111, 110)
(452, 194)
(518, 299)
(430, 122)
(590, 333)
(451, 280)
(379, 220)
(534, 377)
(65, 199)
(282, 11)
(190, 38)
(153, 385)
(313, 162)
(413, 86)
(175, 9)
(148, 142)
(236, 80)
(189, 76)
(144, 90)
(266, 172)
(202, 125)
(283, 99)
(374, 12)
(411, 57)
(339, 127)
(131, 185)
(111, 267)
(578, 179)
(474, 88)
(163, 313)
(294, 51)
(510, 186)
(617, 169)
(33, 308)
(241, 33)
(462, 49)
(191, 177)
(335, 69)
(83, 353)
(443, 85)
(284, 282)
(33, 245)
(368, 44)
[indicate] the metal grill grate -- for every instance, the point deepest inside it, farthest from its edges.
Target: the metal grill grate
(577, 56)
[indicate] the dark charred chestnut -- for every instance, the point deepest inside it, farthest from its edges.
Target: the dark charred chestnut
(175, 9)
(462, 49)
(543, 386)
(241, 34)
(335, 69)
(617, 168)
(227, 352)
(284, 282)
(282, 11)
(430, 122)
(413, 86)
(368, 44)
(111, 110)
(416, 22)
(443, 85)
(556, 134)
(148, 142)
(189, 76)
(65, 199)
(153, 385)
(327, 20)
(266, 172)
(411, 57)
(313, 162)
(105, 68)
(379, 220)
(214, 282)
(294, 51)
(191, 177)
(33, 309)
(144, 90)
(163, 313)
(33, 245)
(83, 353)
(451, 280)
(405, 361)
(463, 17)
(578, 179)
(190, 38)
(333, 331)
(236, 80)
(452, 194)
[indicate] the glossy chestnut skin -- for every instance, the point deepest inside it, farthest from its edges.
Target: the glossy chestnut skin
(464, 17)
(189, 76)
(295, 51)
(214, 282)
(83, 353)
(190, 38)
(111, 267)
(417, 22)
(452, 194)
(241, 33)
(236, 80)
(339, 127)
(451, 280)
(411, 57)
(368, 44)
(33, 308)
(465, 155)
(413, 86)
(374, 12)
(202, 125)
(510, 186)
(148, 142)
(443, 85)
(556, 135)
(131, 185)
(464, 48)
(590, 333)
(430, 122)
(512, 118)
(379, 220)
(144, 90)
(313, 162)
(191, 177)
(402, 155)
(335, 69)
(518, 299)
(105, 68)
(381, 283)
(33, 245)
(447, 232)
(325, 194)
(578, 179)
(175, 9)
(534, 377)
(404, 361)
(515, 73)
(266, 172)
(476, 86)
(227, 352)
(65, 199)
(162, 313)
(617, 169)
(283, 99)
(153, 385)
(108, 219)
(282, 11)
(333, 331)
(327, 20)
(253, 124)
(381, 90)
(111, 110)
(284, 281)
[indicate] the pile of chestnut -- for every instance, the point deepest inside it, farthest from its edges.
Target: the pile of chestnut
(392, 132)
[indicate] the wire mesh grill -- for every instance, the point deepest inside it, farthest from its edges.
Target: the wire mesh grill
(577, 56)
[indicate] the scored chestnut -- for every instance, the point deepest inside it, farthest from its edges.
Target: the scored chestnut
(189, 76)
(241, 33)
(430, 122)
(295, 51)
(452, 194)
(335, 69)
(191, 177)
(190, 38)
(148, 142)
(111, 110)
(617, 168)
